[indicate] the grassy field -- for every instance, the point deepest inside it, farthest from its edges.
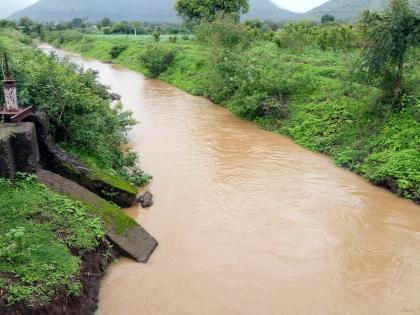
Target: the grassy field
(327, 111)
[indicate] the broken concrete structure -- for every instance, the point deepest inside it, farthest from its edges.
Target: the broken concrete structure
(29, 147)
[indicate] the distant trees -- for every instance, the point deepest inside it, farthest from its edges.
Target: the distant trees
(105, 22)
(135, 25)
(327, 18)
(196, 10)
(77, 23)
(25, 25)
(388, 39)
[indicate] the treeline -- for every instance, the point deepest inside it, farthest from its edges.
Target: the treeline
(105, 26)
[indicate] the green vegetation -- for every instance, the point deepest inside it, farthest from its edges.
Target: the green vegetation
(300, 81)
(156, 60)
(45, 237)
(389, 38)
(117, 50)
(196, 10)
(40, 232)
(83, 118)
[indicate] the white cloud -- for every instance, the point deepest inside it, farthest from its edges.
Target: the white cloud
(299, 5)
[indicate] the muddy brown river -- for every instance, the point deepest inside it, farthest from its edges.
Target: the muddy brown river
(250, 223)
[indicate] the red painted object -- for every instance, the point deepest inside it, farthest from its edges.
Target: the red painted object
(17, 116)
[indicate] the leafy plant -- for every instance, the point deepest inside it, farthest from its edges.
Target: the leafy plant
(117, 50)
(156, 60)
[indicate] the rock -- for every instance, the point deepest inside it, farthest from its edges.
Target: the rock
(135, 242)
(7, 160)
(58, 161)
(18, 149)
(41, 122)
(25, 147)
(146, 200)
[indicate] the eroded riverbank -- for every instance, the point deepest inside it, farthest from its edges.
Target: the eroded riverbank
(250, 223)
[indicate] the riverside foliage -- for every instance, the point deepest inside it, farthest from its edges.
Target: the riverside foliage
(301, 80)
(84, 120)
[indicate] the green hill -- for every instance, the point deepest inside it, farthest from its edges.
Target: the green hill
(344, 9)
(129, 10)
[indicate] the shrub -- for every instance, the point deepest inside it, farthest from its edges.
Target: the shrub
(156, 60)
(117, 50)
(173, 39)
(156, 36)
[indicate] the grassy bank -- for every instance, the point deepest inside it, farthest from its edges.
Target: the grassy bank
(307, 94)
(43, 238)
(52, 248)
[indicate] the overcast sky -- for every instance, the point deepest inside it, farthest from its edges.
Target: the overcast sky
(8, 7)
(299, 5)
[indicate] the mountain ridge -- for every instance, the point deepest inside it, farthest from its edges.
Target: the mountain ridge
(344, 9)
(163, 10)
(146, 11)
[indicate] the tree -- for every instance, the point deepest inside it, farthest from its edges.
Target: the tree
(388, 39)
(105, 22)
(135, 25)
(156, 35)
(327, 18)
(76, 23)
(25, 24)
(196, 10)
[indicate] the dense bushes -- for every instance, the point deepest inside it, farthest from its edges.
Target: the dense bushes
(156, 60)
(82, 116)
(117, 50)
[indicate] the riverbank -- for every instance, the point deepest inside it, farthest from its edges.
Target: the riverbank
(55, 242)
(53, 252)
(320, 106)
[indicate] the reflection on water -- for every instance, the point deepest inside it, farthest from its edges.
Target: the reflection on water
(250, 223)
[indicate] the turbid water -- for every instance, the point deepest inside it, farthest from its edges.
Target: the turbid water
(251, 223)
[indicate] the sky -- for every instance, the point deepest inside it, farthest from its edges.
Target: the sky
(298, 5)
(8, 7)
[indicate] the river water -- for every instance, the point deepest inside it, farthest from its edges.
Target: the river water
(250, 223)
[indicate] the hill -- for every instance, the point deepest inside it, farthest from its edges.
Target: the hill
(344, 9)
(129, 10)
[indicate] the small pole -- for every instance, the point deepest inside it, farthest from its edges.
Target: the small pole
(7, 75)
